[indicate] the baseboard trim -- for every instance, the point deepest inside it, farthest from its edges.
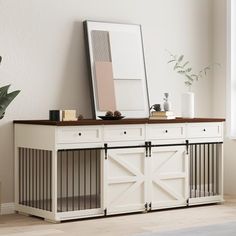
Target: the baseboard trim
(7, 208)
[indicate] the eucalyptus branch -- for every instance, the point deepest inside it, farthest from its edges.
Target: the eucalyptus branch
(183, 68)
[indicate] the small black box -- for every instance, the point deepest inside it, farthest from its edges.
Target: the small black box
(55, 115)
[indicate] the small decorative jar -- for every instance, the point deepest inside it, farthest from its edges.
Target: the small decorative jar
(167, 103)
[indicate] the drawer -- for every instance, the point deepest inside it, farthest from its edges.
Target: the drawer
(163, 131)
(79, 134)
(124, 133)
(204, 130)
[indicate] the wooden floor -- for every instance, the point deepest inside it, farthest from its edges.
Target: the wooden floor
(133, 224)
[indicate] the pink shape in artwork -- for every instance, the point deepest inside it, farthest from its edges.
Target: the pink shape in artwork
(105, 86)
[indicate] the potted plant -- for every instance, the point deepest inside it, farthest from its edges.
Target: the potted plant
(5, 97)
(183, 68)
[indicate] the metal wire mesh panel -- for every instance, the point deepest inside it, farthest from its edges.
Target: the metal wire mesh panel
(78, 179)
(35, 178)
(204, 169)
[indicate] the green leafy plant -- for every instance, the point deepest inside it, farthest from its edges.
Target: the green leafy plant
(184, 68)
(5, 97)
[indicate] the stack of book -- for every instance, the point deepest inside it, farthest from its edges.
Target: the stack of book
(162, 115)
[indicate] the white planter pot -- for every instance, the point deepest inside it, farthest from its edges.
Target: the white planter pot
(188, 105)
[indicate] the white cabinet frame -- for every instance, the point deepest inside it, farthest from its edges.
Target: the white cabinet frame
(133, 165)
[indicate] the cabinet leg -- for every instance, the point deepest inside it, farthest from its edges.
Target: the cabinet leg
(52, 221)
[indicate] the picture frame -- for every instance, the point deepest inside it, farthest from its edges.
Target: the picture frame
(117, 69)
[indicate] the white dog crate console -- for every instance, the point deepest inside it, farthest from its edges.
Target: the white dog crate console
(87, 168)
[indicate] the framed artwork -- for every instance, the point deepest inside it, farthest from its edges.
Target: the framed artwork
(117, 68)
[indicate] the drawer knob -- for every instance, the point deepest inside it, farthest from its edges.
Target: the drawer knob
(204, 130)
(166, 131)
(125, 132)
(80, 134)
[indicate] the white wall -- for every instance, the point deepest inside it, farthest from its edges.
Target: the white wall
(42, 45)
(219, 90)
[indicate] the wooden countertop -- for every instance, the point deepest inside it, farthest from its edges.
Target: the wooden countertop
(116, 122)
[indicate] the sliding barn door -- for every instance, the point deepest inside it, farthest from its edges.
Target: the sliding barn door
(168, 177)
(125, 181)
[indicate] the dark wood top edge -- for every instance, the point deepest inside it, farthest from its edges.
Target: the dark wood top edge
(116, 122)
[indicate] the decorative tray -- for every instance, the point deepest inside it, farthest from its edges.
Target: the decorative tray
(111, 117)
